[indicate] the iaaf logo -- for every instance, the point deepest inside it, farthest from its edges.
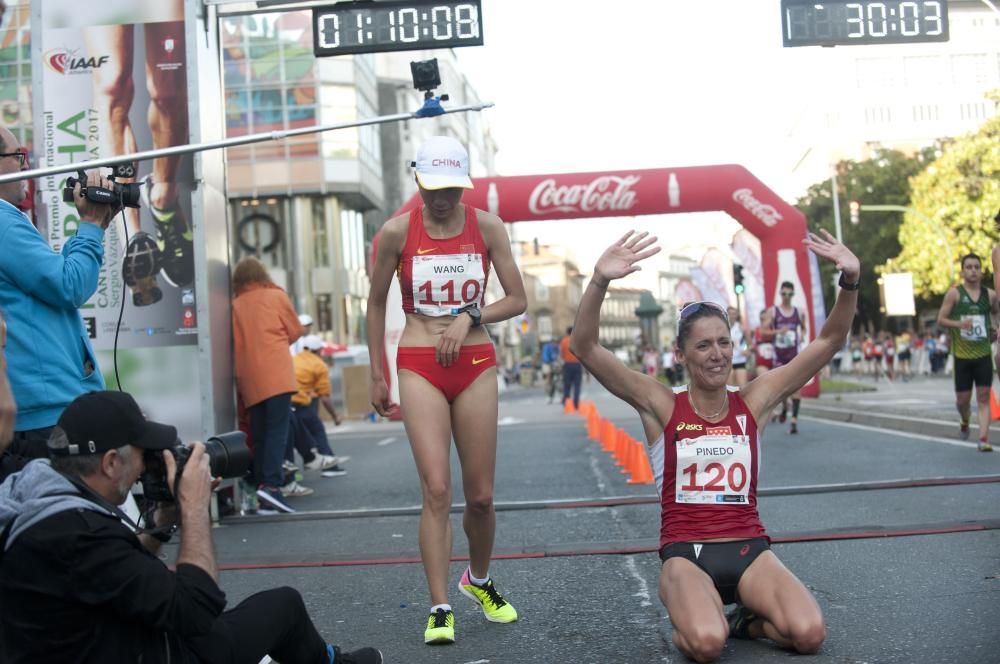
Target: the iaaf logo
(63, 61)
(766, 213)
(607, 192)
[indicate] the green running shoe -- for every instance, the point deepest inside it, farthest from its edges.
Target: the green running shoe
(440, 627)
(495, 607)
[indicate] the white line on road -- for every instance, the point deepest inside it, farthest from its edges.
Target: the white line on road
(643, 593)
(385, 441)
(904, 434)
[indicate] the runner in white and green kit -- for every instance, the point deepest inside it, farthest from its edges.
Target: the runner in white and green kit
(967, 311)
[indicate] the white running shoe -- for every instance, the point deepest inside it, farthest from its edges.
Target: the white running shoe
(321, 462)
(295, 490)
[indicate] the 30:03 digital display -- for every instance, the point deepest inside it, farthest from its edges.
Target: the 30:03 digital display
(843, 23)
(369, 27)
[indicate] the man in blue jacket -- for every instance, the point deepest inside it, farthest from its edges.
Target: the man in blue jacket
(49, 357)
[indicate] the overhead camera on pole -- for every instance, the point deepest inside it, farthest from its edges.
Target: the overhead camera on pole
(427, 77)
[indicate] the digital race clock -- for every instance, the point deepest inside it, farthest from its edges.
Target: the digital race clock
(369, 27)
(840, 23)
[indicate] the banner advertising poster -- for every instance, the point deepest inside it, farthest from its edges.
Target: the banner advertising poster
(112, 80)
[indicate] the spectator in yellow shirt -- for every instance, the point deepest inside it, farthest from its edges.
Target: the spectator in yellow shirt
(313, 380)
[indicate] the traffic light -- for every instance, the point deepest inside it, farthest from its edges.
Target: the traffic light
(738, 286)
(855, 212)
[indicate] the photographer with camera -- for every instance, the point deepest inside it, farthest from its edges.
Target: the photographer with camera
(49, 356)
(78, 585)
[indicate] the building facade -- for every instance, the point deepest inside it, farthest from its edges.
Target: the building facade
(904, 96)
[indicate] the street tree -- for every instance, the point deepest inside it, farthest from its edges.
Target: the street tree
(954, 201)
(882, 180)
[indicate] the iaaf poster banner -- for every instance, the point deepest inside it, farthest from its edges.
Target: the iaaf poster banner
(112, 80)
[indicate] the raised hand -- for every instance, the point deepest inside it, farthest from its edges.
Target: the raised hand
(620, 259)
(835, 252)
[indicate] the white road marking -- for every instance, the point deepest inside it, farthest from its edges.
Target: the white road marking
(385, 441)
(508, 420)
(643, 593)
(890, 432)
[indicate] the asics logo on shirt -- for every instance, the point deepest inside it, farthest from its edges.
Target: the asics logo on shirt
(683, 426)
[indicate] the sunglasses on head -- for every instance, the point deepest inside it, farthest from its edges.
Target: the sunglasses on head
(692, 308)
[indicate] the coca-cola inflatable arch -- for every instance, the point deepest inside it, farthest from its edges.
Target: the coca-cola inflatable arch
(730, 188)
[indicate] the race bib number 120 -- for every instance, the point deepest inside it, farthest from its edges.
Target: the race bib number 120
(443, 283)
(713, 470)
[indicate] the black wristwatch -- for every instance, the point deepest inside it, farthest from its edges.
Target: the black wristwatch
(474, 313)
(846, 286)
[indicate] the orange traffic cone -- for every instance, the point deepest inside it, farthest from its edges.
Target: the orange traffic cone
(643, 470)
(606, 433)
(630, 459)
(619, 450)
(994, 405)
(568, 407)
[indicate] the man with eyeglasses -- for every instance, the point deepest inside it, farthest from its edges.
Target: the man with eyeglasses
(786, 325)
(49, 356)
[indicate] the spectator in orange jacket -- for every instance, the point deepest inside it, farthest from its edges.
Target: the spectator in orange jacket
(264, 325)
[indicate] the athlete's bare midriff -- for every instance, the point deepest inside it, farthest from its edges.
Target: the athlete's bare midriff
(423, 330)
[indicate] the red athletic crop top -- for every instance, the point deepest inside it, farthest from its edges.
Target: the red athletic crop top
(439, 277)
(708, 487)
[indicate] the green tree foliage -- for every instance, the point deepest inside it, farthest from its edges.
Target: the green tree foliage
(954, 201)
(881, 180)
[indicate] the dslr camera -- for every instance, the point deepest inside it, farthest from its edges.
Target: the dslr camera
(228, 457)
(121, 195)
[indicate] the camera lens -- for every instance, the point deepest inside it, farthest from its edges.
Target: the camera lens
(228, 454)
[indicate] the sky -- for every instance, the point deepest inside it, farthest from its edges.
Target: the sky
(586, 85)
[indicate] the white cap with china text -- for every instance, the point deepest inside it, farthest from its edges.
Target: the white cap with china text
(442, 162)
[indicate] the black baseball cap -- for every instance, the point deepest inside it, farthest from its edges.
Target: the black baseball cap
(96, 422)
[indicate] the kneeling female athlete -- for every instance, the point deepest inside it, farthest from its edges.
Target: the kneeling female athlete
(706, 457)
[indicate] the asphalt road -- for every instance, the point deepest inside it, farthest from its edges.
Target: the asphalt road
(352, 548)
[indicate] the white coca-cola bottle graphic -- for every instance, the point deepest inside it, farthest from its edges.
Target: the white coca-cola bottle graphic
(493, 199)
(674, 191)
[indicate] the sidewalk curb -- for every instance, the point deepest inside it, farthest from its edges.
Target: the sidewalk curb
(904, 423)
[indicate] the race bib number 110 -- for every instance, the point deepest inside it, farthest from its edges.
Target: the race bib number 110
(443, 283)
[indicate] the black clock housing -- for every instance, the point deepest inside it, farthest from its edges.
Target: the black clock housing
(845, 23)
(373, 27)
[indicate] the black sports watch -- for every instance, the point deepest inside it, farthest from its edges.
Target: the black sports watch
(846, 286)
(474, 313)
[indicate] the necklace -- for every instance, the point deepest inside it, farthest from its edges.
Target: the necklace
(725, 404)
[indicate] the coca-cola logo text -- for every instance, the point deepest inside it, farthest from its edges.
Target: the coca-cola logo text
(765, 213)
(603, 194)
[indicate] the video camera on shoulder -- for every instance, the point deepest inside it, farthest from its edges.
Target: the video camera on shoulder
(121, 195)
(228, 457)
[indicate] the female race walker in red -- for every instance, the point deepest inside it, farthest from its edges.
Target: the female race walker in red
(442, 253)
(705, 444)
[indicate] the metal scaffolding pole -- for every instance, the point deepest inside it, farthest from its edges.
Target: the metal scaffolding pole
(227, 143)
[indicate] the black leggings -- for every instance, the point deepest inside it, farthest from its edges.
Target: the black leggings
(273, 622)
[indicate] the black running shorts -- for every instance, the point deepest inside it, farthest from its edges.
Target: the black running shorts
(978, 371)
(724, 562)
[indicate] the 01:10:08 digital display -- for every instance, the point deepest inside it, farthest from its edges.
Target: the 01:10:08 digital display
(405, 25)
